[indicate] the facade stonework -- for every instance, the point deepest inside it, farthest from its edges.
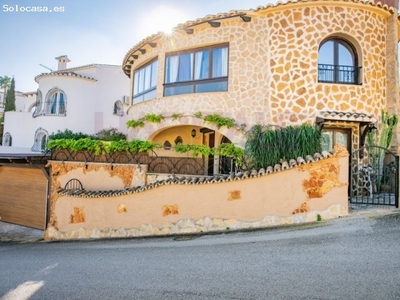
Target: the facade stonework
(295, 36)
(273, 64)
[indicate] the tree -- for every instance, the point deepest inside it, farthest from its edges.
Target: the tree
(10, 98)
(1, 128)
(5, 82)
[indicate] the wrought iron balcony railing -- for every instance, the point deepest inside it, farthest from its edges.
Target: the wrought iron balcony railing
(338, 74)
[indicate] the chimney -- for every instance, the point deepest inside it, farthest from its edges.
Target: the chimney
(62, 62)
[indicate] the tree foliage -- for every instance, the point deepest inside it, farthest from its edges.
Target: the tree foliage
(10, 98)
(5, 82)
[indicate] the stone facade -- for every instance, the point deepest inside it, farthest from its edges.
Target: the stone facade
(273, 64)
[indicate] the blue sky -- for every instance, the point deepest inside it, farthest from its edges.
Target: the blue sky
(89, 31)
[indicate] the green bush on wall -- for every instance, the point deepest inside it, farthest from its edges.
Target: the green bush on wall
(267, 147)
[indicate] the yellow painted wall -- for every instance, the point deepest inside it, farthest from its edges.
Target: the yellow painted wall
(290, 196)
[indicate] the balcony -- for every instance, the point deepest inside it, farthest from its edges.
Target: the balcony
(339, 74)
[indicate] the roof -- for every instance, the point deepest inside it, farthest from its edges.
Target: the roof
(250, 12)
(21, 155)
(30, 93)
(346, 116)
(63, 73)
(70, 71)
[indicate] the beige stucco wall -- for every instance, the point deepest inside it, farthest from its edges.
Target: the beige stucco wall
(98, 176)
(286, 197)
(273, 66)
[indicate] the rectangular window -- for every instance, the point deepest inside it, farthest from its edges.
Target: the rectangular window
(145, 82)
(197, 71)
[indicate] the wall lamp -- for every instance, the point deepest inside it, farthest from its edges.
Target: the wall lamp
(167, 145)
(368, 128)
(193, 133)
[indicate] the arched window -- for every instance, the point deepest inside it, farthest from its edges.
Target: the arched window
(338, 62)
(38, 105)
(118, 109)
(41, 138)
(7, 139)
(56, 103)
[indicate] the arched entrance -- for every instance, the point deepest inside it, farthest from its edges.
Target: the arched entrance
(169, 137)
(226, 164)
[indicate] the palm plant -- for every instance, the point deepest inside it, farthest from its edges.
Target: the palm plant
(5, 82)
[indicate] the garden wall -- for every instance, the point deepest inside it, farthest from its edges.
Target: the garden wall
(286, 194)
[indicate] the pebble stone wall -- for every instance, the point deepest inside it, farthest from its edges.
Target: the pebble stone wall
(273, 62)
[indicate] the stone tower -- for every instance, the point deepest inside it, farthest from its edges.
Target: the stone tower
(392, 69)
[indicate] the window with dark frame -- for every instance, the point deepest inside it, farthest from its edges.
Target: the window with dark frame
(145, 82)
(197, 71)
(338, 62)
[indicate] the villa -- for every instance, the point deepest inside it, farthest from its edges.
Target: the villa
(330, 63)
(85, 99)
(333, 64)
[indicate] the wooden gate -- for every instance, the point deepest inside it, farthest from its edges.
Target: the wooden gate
(23, 195)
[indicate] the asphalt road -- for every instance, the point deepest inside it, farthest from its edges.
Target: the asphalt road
(350, 258)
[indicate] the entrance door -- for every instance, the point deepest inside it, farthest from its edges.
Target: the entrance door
(336, 136)
(226, 163)
(211, 144)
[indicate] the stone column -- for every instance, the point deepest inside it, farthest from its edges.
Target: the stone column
(392, 75)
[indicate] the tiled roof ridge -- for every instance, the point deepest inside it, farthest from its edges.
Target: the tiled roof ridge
(347, 116)
(86, 67)
(249, 11)
(197, 180)
(64, 73)
(76, 69)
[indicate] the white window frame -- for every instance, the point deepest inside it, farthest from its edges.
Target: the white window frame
(7, 139)
(56, 103)
(40, 141)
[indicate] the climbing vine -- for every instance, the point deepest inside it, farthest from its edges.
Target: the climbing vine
(219, 121)
(100, 147)
(215, 119)
(229, 150)
(152, 118)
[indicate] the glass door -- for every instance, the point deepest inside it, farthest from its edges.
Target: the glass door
(335, 136)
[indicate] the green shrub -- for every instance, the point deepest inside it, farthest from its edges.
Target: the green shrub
(111, 134)
(68, 134)
(267, 147)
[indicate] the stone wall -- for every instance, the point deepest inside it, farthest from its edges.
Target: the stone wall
(273, 62)
(293, 195)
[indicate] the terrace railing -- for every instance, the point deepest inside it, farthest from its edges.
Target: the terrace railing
(338, 74)
(156, 164)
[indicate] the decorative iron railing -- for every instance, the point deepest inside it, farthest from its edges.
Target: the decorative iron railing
(156, 164)
(338, 74)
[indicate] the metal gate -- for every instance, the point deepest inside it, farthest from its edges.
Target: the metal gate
(374, 177)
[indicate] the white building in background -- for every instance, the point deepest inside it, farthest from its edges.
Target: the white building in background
(23, 101)
(85, 99)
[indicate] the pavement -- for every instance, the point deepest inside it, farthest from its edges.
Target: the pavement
(12, 233)
(19, 234)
